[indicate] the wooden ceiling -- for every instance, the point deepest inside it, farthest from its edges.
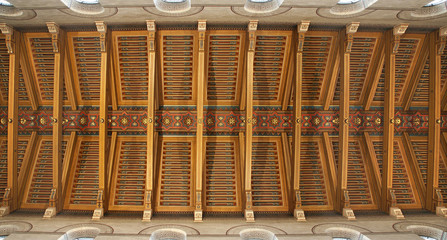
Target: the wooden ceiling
(128, 129)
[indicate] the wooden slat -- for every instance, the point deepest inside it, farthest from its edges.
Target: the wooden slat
(359, 184)
(129, 174)
(222, 175)
(271, 55)
(40, 179)
(85, 58)
(41, 54)
(315, 180)
(178, 52)
(83, 183)
(269, 188)
(132, 67)
(418, 77)
(175, 182)
(376, 70)
(416, 150)
(330, 164)
(224, 67)
(27, 89)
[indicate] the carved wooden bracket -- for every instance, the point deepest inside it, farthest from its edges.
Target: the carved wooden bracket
(8, 31)
(102, 29)
(53, 28)
(252, 27)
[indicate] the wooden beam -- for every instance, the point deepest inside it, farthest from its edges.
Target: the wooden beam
(28, 76)
(392, 40)
(147, 215)
(414, 166)
(373, 162)
(434, 119)
(377, 66)
(329, 89)
(103, 122)
(291, 68)
(416, 75)
(69, 85)
(372, 166)
(296, 149)
(56, 202)
(68, 163)
(10, 199)
(24, 170)
(199, 132)
(114, 66)
(342, 198)
(252, 26)
(111, 160)
(329, 156)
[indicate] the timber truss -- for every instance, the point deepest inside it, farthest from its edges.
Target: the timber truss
(209, 120)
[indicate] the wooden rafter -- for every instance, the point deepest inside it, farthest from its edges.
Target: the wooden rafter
(200, 122)
(296, 150)
(416, 74)
(331, 78)
(434, 121)
(331, 168)
(346, 41)
(58, 42)
(249, 215)
(28, 76)
(10, 199)
(412, 159)
(68, 161)
(103, 115)
(372, 168)
(68, 76)
(388, 133)
(150, 123)
(377, 66)
(24, 170)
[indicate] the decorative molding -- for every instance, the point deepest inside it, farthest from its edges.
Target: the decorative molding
(262, 7)
(341, 230)
(107, 12)
(353, 8)
(237, 229)
(421, 229)
(190, 12)
(102, 228)
(188, 230)
(257, 233)
(242, 12)
(173, 7)
(80, 232)
(84, 8)
(8, 227)
(326, 13)
(168, 233)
